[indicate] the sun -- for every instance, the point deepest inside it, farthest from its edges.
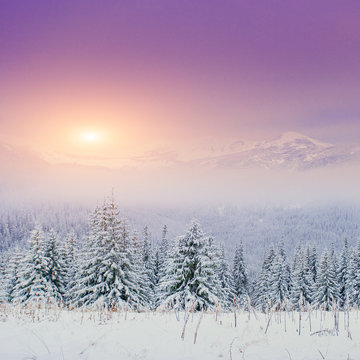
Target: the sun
(91, 137)
(88, 139)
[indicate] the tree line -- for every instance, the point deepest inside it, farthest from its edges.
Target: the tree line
(116, 268)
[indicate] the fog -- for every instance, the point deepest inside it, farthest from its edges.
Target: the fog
(25, 179)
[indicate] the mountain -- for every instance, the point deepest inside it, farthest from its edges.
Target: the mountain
(291, 150)
(236, 171)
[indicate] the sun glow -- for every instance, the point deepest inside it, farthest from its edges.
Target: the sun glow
(91, 137)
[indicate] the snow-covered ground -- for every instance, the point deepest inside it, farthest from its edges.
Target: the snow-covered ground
(60, 334)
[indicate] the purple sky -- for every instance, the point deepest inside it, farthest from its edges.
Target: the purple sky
(226, 68)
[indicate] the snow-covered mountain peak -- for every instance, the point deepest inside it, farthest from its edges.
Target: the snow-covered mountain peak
(290, 150)
(291, 137)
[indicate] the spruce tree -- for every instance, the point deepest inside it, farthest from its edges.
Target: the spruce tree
(85, 281)
(4, 259)
(69, 254)
(262, 296)
(225, 278)
(280, 279)
(33, 285)
(166, 260)
(12, 274)
(112, 274)
(343, 274)
(302, 280)
(148, 263)
(326, 293)
(354, 277)
(192, 280)
(313, 259)
(164, 252)
(139, 290)
(239, 276)
(56, 268)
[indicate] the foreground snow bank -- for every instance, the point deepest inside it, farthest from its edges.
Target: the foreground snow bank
(68, 335)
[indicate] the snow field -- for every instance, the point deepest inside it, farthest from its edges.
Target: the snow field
(59, 334)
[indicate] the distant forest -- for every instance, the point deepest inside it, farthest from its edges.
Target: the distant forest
(257, 227)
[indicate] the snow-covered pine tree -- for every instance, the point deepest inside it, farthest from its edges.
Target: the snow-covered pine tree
(12, 273)
(86, 279)
(280, 279)
(354, 277)
(161, 257)
(164, 252)
(148, 262)
(208, 270)
(261, 295)
(298, 253)
(313, 260)
(302, 280)
(192, 279)
(69, 254)
(326, 288)
(3, 278)
(137, 283)
(156, 263)
(240, 277)
(333, 258)
(111, 278)
(226, 280)
(138, 288)
(343, 274)
(166, 260)
(55, 266)
(32, 285)
(112, 274)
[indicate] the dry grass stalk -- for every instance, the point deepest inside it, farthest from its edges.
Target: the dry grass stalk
(197, 327)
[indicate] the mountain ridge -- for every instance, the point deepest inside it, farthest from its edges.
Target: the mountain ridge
(289, 150)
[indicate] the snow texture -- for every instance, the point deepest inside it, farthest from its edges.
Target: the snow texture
(58, 334)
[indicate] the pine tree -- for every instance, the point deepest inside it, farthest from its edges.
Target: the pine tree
(69, 255)
(83, 285)
(156, 264)
(326, 293)
(343, 274)
(110, 289)
(262, 296)
(4, 259)
(166, 256)
(112, 274)
(55, 267)
(192, 280)
(239, 276)
(225, 278)
(148, 262)
(32, 285)
(302, 280)
(333, 258)
(12, 274)
(209, 284)
(222, 282)
(140, 293)
(312, 258)
(164, 252)
(354, 277)
(280, 279)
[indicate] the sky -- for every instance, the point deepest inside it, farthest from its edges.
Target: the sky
(92, 82)
(93, 78)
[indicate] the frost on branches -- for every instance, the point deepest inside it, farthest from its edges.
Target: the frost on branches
(192, 281)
